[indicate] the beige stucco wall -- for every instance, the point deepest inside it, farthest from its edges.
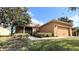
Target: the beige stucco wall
(47, 28)
(4, 31)
(58, 29)
(35, 29)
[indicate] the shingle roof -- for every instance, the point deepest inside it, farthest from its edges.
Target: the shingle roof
(57, 21)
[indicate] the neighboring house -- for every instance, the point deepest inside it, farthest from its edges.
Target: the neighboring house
(75, 31)
(4, 31)
(30, 28)
(58, 28)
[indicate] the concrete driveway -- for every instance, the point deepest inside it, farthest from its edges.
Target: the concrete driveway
(45, 38)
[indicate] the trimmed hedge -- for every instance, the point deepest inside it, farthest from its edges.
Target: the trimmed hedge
(20, 35)
(42, 34)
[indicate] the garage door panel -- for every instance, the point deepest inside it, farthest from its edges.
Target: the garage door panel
(62, 31)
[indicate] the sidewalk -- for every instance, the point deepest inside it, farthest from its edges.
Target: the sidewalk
(46, 38)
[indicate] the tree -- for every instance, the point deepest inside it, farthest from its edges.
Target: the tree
(66, 19)
(13, 16)
(73, 8)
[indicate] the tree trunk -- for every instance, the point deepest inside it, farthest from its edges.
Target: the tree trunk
(12, 30)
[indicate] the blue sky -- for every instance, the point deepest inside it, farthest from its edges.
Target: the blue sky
(42, 15)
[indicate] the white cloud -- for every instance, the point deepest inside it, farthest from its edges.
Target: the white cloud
(35, 21)
(30, 13)
(75, 20)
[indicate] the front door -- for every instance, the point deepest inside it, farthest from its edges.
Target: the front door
(28, 30)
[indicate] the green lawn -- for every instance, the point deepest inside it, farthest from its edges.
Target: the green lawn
(67, 44)
(2, 39)
(55, 45)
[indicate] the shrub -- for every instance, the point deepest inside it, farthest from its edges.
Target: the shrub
(42, 34)
(18, 44)
(20, 35)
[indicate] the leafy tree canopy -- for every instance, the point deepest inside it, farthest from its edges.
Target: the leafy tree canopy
(66, 19)
(73, 8)
(13, 16)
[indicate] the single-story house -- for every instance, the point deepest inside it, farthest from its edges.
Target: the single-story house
(29, 28)
(4, 31)
(58, 28)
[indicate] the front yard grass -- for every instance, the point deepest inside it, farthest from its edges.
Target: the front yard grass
(3, 39)
(66, 44)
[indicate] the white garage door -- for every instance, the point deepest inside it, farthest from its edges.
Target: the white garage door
(62, 31)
